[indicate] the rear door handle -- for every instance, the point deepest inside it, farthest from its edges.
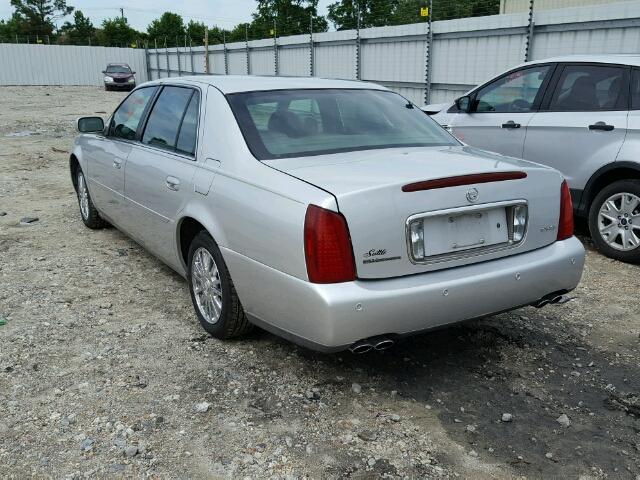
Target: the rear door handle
(601, 126)
(173, 183)
(117, 164)
(511, 124)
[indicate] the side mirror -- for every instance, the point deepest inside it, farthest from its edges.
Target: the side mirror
(464, 104)
(90, 124)
(104, 71)
(133, 73)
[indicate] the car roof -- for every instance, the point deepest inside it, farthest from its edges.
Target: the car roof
(618, 59)
(252, 83)
(117, 65)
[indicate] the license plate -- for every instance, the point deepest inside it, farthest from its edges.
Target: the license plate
(459, 232)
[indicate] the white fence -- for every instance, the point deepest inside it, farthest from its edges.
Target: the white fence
(22, 64)
(463, 52)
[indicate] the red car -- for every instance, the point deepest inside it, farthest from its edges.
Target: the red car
(119, 76)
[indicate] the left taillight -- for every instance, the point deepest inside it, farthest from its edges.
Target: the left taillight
(327, 247)
(565, 225)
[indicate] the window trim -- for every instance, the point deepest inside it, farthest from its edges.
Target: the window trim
(625, 101)
(108, 134)
(537, 101)
(145, 119)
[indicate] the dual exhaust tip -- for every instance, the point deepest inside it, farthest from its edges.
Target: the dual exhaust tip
(373, 343)
(551, 299)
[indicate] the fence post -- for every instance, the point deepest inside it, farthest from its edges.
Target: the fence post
(311, 52)
(206, 51)
(246, 48)
(427, 66)
(178, 54)
(193, 70)
(147, 58)
(529, 41)
(224, 51)
(358, 73)
(275, 48)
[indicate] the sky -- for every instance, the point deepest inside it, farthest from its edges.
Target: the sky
(139, 13)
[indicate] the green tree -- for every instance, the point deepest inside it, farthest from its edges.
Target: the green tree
(292, 17)
(12, 28)
(116, 32)
(78, 32)
(195, 32)
(169, 25)
(39, 15)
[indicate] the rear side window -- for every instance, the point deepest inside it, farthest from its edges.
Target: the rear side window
(589, 88)
(635, 90)
(166, 117)
(189, 128)
(127, 117)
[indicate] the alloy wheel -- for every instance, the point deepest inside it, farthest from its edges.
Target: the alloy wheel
(207, 288)
(619, 221)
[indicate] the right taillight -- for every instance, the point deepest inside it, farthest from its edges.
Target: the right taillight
(565, 225)
(327, 247)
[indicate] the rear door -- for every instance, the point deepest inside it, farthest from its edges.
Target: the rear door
(502, 109)
(159, 173)
(582, 121)
(108, 154)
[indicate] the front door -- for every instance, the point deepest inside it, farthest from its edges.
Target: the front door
(501, 110)
(108, 155)
(160, 169)
(582, 122)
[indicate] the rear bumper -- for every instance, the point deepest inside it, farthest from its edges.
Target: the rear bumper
(332, 317)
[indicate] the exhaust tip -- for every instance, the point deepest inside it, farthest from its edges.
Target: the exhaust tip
(384, 344)
(361, 348)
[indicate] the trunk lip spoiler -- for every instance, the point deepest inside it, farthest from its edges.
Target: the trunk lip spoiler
(460, 180)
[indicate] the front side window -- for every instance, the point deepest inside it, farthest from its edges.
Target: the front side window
(588, 88)
(512, 93)
(127, 117)
(166, 117)
(295, 123)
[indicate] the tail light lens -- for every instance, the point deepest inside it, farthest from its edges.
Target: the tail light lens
(565, 225)
(327, 247)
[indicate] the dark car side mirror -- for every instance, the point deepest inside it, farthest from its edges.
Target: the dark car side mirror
(90, 124)
(464, 104)
(133, 73)
(104, 71)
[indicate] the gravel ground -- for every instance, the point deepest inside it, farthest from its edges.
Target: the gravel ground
(105, 372)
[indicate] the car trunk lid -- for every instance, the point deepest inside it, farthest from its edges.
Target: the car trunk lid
(462, 196)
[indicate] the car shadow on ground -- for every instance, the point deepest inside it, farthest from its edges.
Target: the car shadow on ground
(534, 369)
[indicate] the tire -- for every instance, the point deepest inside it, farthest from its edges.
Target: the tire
(106, 89)
(220, 315)
(90, 216)
(614, 226)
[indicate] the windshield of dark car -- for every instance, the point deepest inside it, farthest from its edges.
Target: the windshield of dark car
(118, 69)
(296, 123)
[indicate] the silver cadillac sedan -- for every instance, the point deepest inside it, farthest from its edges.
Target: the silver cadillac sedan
(333, 213)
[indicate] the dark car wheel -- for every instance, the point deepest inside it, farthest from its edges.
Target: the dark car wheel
(88, 212)
(614, 221)
(212, 292)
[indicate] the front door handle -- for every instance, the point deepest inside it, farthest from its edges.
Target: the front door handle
(511, 124)
(173, 183)
(117, 164)
(601, 126)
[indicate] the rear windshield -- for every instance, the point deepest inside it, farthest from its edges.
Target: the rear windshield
(118, 69)
(297, 123)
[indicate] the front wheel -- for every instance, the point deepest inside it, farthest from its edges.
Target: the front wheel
(90, 216)
(614, 221)
(212, 292)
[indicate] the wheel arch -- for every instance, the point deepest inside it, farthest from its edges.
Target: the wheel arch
(604, 176)
(74, 167)
(188, 226)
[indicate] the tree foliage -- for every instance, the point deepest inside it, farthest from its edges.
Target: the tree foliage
(117, 32)
(169, 25)
(79, 32)
(37, 16)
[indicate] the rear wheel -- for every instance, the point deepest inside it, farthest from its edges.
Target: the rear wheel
(90, 216)
(212, 292)
(614, 221)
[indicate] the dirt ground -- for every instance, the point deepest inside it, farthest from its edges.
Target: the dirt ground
(104, 370)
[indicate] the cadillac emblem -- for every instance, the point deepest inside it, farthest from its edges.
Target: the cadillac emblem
(472, 195)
